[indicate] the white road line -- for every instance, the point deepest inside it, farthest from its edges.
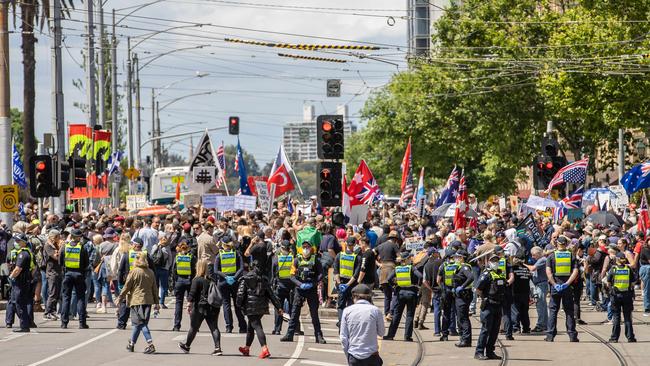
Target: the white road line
(12, 336)
(296, 352)
(325, 350)
(326, 329)
(226, 335)
(319, 363)
(328, 339)
(74, 348)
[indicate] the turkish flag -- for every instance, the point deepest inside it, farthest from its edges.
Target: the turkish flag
(282, 181)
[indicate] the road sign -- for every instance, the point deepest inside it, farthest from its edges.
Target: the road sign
(136, 202)
(178, 179)
(132, 173)
(9, 198)
(333, 88)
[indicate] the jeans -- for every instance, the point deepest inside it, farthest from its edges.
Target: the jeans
(141, 325)
(594, 290)
(97, 286)
(541, 289)
(388, 297)
(162, 277)
(44, 289)
(437, 313)
(644, 273)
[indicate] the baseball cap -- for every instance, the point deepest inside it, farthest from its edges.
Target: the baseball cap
(109, 233)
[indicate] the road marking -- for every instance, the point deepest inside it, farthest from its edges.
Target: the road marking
(319, 363)
(326, 329)
(325, 350)
(327, 339)
(74, 348)
(12, 336)
(226, 335)
(296, 352)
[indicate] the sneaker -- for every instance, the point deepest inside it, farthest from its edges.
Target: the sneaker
(481, 357)
(21, 330)
(647, 313)
(176, 329)
(150, 349)
(183, 347)
(99, 305)
(320, 339)
(286, 338)
(538, 330)
(632, 340)
(422, 327)
(548, 339)
(130, 346)
(164, 306)
(613, 340)
(265, 353)
(83, 326)
(493, 356)
(217, 352)
(510, 338)
(245, 351)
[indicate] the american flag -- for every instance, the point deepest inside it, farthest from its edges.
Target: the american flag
(221, 161)
(558, 213)
(407, 176)
(645, 169)
(575, 172)
(574, 200)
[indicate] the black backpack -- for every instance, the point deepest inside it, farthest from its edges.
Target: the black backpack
(158, 257)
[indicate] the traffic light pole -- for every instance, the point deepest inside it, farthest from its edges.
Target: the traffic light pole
(58, 120)
(114, 118)
(5, 112)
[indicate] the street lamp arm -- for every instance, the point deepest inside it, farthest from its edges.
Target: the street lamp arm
(149, 35)
(180, 134)
(186, 96)
(136, 9)
(169, 52)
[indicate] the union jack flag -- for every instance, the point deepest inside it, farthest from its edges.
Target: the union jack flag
(221, 161)
(574, 200)
(369, 192)
(645, 169)
(575, 172)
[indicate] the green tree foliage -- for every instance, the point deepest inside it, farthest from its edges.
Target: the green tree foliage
(499, 70)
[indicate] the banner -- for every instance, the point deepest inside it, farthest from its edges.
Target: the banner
(78, 139)
(98, 187)
(102, 145)
(529, 228)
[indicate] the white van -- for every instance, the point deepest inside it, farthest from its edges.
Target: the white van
(163, 187)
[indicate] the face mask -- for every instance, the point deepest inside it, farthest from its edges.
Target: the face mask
(493, 265)
(16, 246)
(357, 249)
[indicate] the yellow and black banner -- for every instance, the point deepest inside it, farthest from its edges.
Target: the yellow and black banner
(311, 58)
(308, 47)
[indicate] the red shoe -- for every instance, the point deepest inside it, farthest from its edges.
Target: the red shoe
(244, 351)
(265, 352)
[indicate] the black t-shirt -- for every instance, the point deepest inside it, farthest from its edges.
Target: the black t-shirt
(329, 242)
(369, 267)
(431, 272)
(387, 251)
(23, 260)
(258, 253)
(522, 279)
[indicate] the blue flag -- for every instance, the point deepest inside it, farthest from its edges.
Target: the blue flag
(18, 171)
(450, 191)
(241, 169)
(636, 178)
(289, 205)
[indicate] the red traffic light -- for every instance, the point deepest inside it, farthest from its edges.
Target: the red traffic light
(549, 165)
(233, 120)
(40, 166)
(327, 126)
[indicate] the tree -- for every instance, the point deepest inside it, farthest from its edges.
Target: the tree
(16, 129)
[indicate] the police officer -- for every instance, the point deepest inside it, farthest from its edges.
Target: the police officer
(620, 280)
(462, 281)
(126, 264)
(562, 271)
(491, 288)
(282, 285)
(183, 270)
(305, 274)
(521, 293)
(21, 282)
(446, 282)
(506, 269)
(11, 311)
(407, 278)
(74, 261)
(346, 271)
(228, 267)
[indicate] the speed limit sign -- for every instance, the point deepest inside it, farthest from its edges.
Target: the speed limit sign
(9, 198)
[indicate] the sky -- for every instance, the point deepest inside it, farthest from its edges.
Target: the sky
(252, 82)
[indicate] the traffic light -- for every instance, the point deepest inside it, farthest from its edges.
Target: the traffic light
(233, 125)
(545, 168)
(329, 184)
(330, 139)
(78, 170)
(41, 176)
(62, 175)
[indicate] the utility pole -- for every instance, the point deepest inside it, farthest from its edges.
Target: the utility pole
(129, 100)
(154, 133)
(5, 106)
(138, 138)
(157, 142)
(621, 154)
(102, 63)
(114, 119)
(57, 94)
(90, 66)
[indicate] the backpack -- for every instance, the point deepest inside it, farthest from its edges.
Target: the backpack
(114, 263)
(40, 258)
(158, 257)
(213, 297)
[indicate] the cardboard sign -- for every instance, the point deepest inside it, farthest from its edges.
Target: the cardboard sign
(262, 195)
(190, 200)
(246, 203)
(136, 202)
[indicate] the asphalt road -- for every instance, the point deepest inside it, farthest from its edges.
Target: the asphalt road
(102, 344)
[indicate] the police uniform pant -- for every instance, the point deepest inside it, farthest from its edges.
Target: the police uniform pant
(405, 299)
(520, 306)
(622, 302)
(12, 310)
(490, 323)
(448, 318)
(388, 297)
(565, 298)
(284, 294)
(577, 294)
(423, 305)
(74, 280)
(53, 292)
(299, 298)
(508, 324)
(181, 289)
(463, 302)
(23, 297)
(229, 293)
(343, 300)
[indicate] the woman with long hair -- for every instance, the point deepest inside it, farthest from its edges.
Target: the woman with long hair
(253, 295)
(200, 310)
(141, 293)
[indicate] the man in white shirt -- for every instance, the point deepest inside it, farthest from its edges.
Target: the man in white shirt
(361, 325)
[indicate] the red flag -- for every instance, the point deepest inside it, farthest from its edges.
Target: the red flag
(346, 206)
(282, 181)
(461, 205)
(363, 188)
(178, 190)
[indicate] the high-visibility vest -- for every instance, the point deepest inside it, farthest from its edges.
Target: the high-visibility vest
(228, 262)
(32, 264)
(132, 255)
(502, 265)
(450, 271)
(562, 263)
(403, 275)
(622, 278)
(72, 255)
(13, 255)
(284, 266)
(184, 264)
(307, 263)
(346, 265)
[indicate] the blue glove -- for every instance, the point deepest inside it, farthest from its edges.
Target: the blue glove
(12, 281)
(458, 289)
(343, 288)
(306, 286)
(564, 286)
(230, 280)
(558, 288)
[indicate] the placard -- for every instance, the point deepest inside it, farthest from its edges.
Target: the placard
(246, 203)
(262, 195)
(136, 202)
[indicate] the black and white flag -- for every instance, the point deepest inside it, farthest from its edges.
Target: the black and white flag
(204, 155)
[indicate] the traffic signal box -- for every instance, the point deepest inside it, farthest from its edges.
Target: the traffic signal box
(330, 138)
(329, 183)
(233, 125)
(41, 177)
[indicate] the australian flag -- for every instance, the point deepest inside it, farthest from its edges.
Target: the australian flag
(636, 178)
(449, 193)
(241, 169)
(18, 171)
